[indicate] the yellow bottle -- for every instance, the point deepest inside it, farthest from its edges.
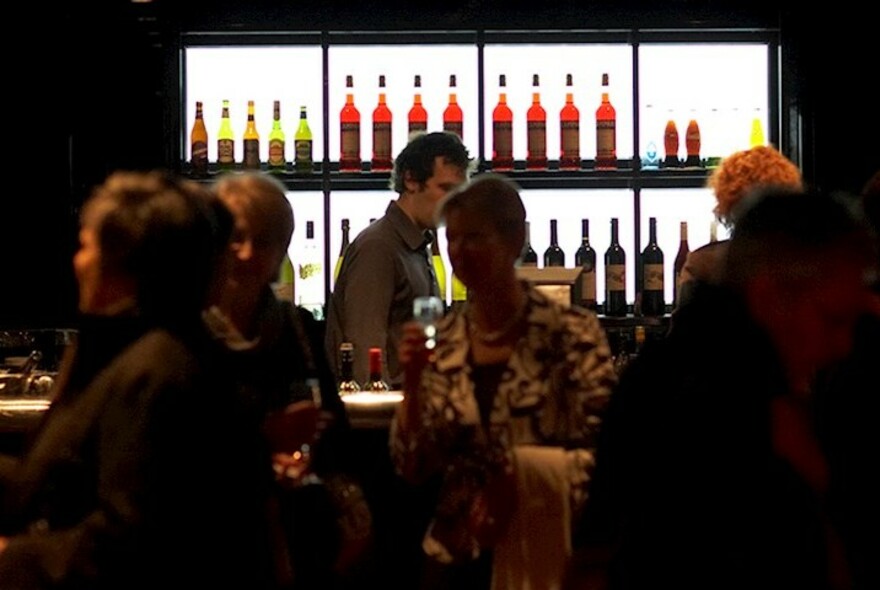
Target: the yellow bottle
(459, 292)
(277, 161)
(225, 141)
(251, 141)
(303, 144)
(756, 137)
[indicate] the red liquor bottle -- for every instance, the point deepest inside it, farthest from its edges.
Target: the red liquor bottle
(606, 131)
(452, 116)
(381, 132)
(670, 143)
(536, 124)
(418, 116)
(350, 132)
(569, 131)
(692, 142)
(502, 130)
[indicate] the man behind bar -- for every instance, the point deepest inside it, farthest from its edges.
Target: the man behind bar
(389, 263)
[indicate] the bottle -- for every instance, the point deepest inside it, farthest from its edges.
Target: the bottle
(439, 267)
(284, 286)
(459, 292)
(529, 257)
(251, 141)
(418, 116)
(502, 130)
(692, 143)
(640, 335)
(652, 300)
(198, 141)
(350, 132)
(225, 140)
(376, 382)
(536, 122)
(606, 131)
(347, 383)
(553, 255)
(585, 258)
(277, 160)
(670, 143)
(302, 145)
(381, 132)
(311, 283)
(615, 275)
(452, 116)
(680, 258)
(756, 135)
(342, 249)
(569, 131)
(713, 230)
(651, 161)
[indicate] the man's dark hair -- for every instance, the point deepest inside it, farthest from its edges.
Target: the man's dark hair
(417, 158)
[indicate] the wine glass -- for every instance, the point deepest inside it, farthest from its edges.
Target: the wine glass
(427, 310)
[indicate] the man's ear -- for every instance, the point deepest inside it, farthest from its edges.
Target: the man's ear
(243, 247)
(409, 183)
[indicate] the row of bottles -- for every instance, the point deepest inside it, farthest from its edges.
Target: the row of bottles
(347, 384)
(301, 161)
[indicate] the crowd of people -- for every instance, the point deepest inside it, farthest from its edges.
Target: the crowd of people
(196, 435)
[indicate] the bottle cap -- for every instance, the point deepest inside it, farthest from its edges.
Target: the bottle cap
(452, 81)
(349, 82)
(568, 80)
(381, 81)
(418, 81)
(535, 81)
(604, 79)
(502, 80)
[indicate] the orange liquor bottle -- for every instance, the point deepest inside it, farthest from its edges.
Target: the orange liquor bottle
(692, 143)
(536, 125)
(670, 143)
(606, 131)
(452, 116)
(381, 132)
(569, 131)
(502, 130)
(418, 116)
(350, 132)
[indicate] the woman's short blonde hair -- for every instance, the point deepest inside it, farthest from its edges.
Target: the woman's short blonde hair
(744, 171)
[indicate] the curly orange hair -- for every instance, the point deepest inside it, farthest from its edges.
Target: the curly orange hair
(746, 170)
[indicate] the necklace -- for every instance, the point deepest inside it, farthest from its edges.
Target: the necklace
(501, 333)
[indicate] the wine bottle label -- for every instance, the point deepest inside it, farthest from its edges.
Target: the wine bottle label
(571, 140)
(537, 138)
(588, 285)
(606, 140)
(502, 139)
(417, 126)
(615, 277)
(653, 277)
(252, 153)
(454, 127)
(382, 142)
(225, 151)
(276, 153)
(351, 141)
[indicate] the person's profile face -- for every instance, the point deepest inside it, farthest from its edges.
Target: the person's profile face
(445, 178)
(87, 268)
(476, 250)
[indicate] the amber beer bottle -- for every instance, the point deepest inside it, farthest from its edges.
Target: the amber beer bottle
(502, 130)
(536, 125)
(692, 143)
(225, 140)
(418, 116)
(606, 131)
(350, 132)
(670, 143)
(198, 140)
(251, 140)
(569, 131)
(277, 159)
(452, 116)
(381, 132)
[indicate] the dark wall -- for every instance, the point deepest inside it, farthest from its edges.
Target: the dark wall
(91, 89)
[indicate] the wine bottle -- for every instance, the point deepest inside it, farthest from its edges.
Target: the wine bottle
(692, 143)
(459, 292)
(198, 141)
(585, 257)
(670, 143)
(529, 257)
(302, 145)
(350, 131)
(536, 123)
(347, 383)
(376, 382)
(381, 132)
(553, 255)
(251, 141)
(418, 116)
(277, 159)
(452, 116)
(680, 258)
(439, 267)
(569, 131)
(311, 283)
(284, 285)
(653, 302)
(615, 275)
(225, 140)
(606, 131)
(342, 249)
(502, 130)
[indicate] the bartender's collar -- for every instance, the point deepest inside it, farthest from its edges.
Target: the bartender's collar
(410, 233)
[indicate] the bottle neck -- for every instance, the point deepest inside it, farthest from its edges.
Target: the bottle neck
(553, 237)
